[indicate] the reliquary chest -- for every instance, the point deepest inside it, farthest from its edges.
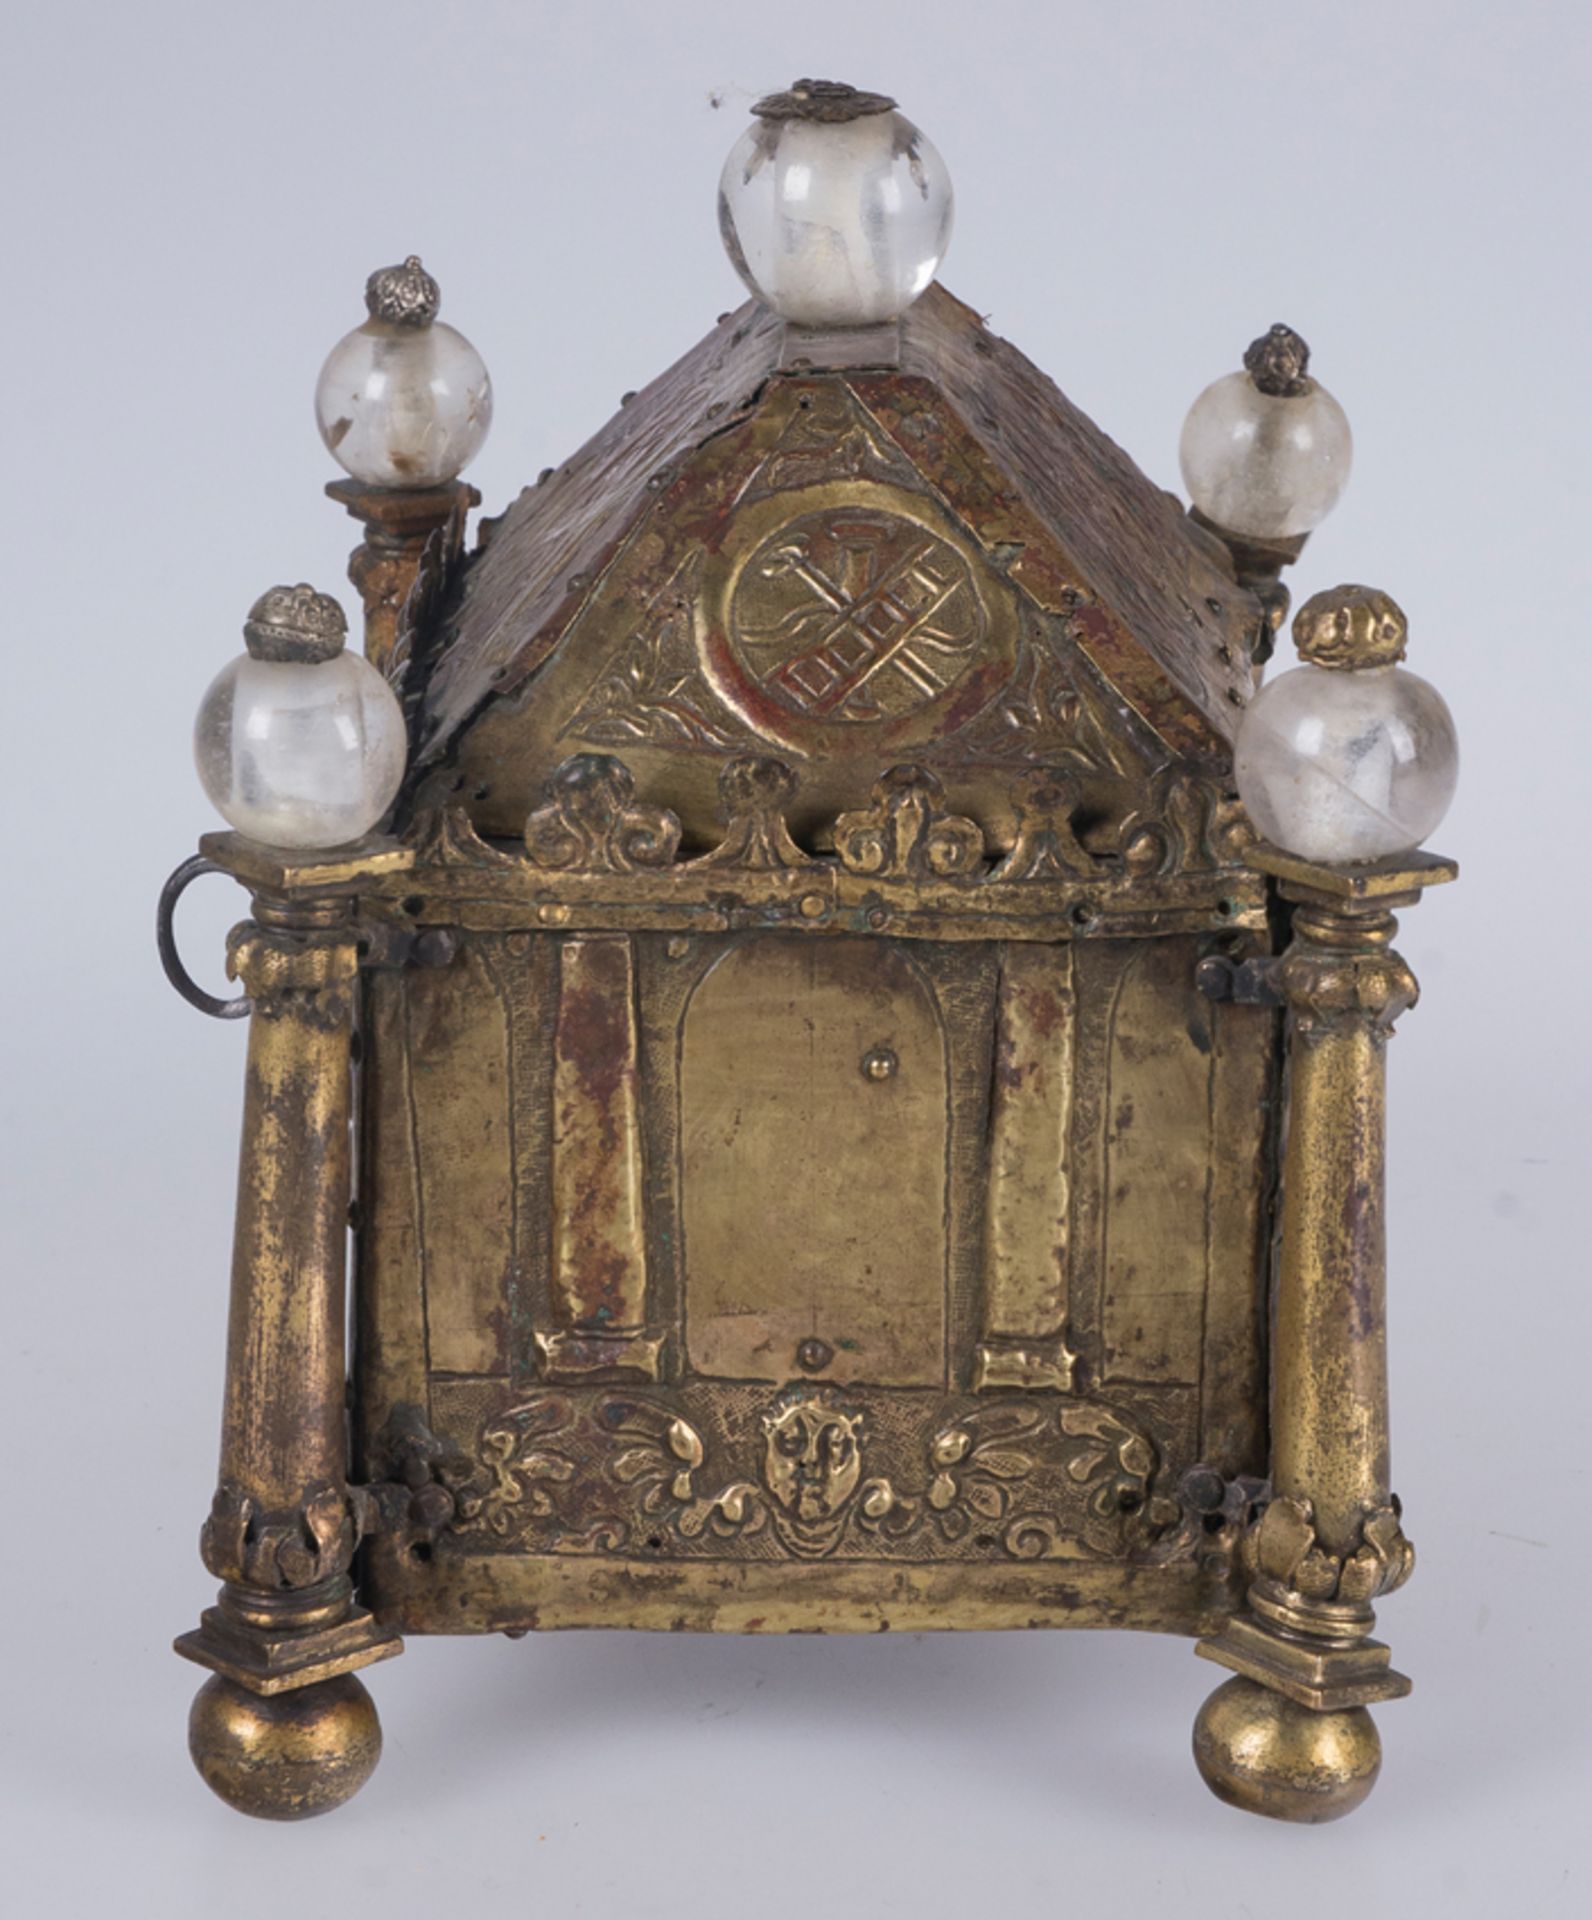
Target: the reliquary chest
(846, 1123)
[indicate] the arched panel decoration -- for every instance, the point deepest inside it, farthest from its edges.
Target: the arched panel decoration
(1160, 1153)
(813, 1098)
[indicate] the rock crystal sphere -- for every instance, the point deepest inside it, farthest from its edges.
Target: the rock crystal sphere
(1266, 452)
(1354, 766)
(403, 401)
(834, 209)
(298, 742)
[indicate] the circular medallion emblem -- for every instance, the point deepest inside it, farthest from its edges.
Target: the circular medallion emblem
(854, 615)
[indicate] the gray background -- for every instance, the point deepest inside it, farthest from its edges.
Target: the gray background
(195, 194)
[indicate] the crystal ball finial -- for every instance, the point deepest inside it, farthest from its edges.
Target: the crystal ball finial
(403, 401)
(298, 742)
(1266, 452)
(1348, 757)
(833, 207)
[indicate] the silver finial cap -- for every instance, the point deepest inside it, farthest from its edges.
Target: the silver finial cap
(1279, 362)
(295, 624)
(405, 296)
(830, 102)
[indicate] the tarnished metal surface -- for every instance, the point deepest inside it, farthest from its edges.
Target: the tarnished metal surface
(1045, 475)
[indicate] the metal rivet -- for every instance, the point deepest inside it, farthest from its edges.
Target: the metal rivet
(553, 913)
(813, 906)
(813, 1355)
(878, 917)
(436, 947)
(880, 1063)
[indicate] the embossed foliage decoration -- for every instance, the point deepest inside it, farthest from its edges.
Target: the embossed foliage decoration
(906, 834)
(754, 792)
(654, 692)
(1027, 1478)
(1187, 823)
(592, 824)
(1284, 1548)
(445, 837)
(277, 1550)
(1046, 848)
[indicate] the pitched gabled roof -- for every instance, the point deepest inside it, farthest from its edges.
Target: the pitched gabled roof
(1149, 597)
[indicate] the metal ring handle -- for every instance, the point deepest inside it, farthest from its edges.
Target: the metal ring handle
(166, 940)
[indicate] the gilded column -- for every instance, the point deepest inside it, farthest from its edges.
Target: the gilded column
(1291, 1736)
(282, 1729)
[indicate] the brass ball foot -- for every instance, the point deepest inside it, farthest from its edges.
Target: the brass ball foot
(284, 1756)
(1269, 1755)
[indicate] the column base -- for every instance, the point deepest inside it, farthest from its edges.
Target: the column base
(1323, 1675)
(278, 1643)
(287, 1757)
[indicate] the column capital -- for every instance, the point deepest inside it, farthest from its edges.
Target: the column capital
(413, 535)
(1323, 983)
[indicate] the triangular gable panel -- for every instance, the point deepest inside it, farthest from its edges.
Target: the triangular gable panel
(849, 570)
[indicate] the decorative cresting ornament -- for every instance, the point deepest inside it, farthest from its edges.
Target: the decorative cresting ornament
(870, 1018)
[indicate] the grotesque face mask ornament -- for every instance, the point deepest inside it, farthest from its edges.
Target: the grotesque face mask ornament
(813, 1458)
